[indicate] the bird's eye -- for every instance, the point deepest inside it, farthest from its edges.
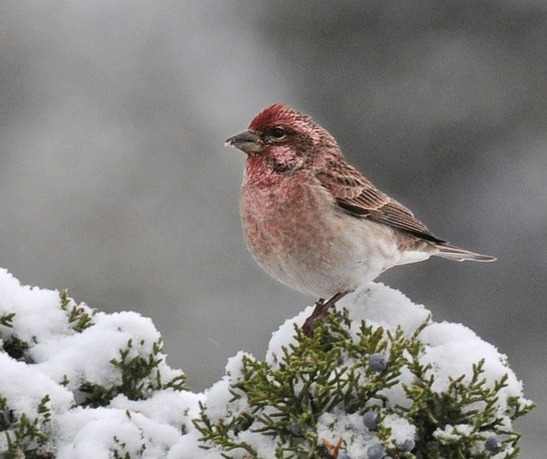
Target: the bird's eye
(277, 133)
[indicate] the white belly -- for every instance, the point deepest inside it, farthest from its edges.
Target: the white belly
(360, 253)
(315, 249)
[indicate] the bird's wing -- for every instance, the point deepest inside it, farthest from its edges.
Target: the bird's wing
(356, 195)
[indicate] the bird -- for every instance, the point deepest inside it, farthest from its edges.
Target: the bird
(315, 223)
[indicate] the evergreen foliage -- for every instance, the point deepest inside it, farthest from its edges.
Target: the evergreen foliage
(332, 372)
(26, 437)
(79, 316)
(140, 377)
(15, 347)
(353, 390)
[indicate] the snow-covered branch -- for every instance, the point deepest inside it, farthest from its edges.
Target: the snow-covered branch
(378, 379)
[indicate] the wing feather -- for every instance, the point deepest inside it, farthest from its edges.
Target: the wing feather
(356, 195)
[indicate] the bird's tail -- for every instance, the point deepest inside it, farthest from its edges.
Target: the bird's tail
(455, 253)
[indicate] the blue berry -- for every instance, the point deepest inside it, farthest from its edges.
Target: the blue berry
(376, 451)
(295, 429)
(377, 362)
(407, 445)
(492, 444)
(370, 419)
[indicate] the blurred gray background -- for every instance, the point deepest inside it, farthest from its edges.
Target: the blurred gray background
(115, 182)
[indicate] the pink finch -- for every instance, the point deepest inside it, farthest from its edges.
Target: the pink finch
(313, 221)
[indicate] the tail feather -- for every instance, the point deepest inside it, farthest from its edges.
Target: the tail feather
(455, 253)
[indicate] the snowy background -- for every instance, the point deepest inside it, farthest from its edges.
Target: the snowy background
(115, 183)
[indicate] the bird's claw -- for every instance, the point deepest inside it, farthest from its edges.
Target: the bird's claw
(320, 312)
(333, 449)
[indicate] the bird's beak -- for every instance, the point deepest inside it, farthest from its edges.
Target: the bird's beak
(247, 141)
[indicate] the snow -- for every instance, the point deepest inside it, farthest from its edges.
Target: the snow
(89, 433)
(333, 426)
(376, 303)
(24, 386)
(453, 349)
(70, 356)
(452, 433)
(401, 430)
(166, 406)
(38, 315)
(59, 359)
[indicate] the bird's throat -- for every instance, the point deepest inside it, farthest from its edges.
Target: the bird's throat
(262, 170)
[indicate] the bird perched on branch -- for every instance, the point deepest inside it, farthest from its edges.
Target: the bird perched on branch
(313, 221)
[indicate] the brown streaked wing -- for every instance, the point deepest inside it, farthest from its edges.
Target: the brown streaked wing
(356, 195)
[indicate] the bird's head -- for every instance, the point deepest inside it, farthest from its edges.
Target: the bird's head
(284, 137)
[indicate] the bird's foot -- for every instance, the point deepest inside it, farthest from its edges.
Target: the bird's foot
(317, 314)
(320, 312)
(333, 449)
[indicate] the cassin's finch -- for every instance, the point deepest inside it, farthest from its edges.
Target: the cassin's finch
(313, 221)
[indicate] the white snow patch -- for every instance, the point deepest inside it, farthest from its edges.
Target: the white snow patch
(94, 433)
(401, 430)
(86, 356)
(453, 433)
(218, 398)
(166, 406)
(452, 349)
(38, 315)
(24, 387)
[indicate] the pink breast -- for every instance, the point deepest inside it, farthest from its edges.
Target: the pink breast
(283, 220)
